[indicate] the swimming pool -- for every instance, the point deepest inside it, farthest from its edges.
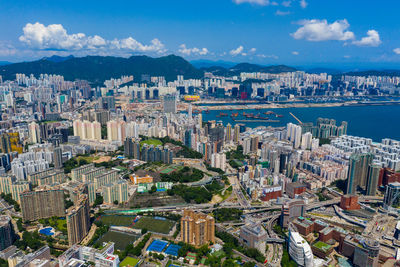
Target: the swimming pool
(49, 231)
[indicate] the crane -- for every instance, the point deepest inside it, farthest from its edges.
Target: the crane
(295, 118)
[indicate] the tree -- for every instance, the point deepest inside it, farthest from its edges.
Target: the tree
(115, 202)
(144, 231)
(153, 189)
(98, 201)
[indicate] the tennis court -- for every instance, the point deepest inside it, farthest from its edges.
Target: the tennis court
(157, 246)
(172, 250)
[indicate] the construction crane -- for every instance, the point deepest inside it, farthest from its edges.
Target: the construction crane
(295, 117)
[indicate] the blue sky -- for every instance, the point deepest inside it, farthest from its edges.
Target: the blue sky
(322, 33)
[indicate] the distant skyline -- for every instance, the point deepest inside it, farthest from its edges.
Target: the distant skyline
(309, 33)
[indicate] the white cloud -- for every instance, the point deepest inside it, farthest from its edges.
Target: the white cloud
(7, 49)
(347, 56)
(320, 30)
(282, 13)
(372, 39)
(396, 51)
(303, 3)
(295, 53)
(267, 56)
(55, 37)
(252, 50)
(195, 51)
(286, 3)
(254, 2)
(237, 51)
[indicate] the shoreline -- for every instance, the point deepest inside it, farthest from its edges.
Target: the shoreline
(293, 105)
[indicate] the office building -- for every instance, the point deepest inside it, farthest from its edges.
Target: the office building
(358, 171)
(349, 202)
(392, 196)
(7, 234)
(169, 103)
(253, 235)
(197, 228)
(78, 220)
(36, 205)
(299, 250)
(5, 143)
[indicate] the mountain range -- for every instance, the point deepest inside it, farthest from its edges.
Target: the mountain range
(97, 69)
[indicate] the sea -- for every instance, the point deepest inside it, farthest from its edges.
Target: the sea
(372, 121)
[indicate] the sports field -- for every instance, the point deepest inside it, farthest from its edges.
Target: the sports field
(117, 220)
(121, 240)
(129, 261)
(154, 225)
(170, 169)
(153, 142)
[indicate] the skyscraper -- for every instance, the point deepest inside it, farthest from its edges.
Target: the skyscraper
(236, 133)
(7, 234)
(228, 132)
(197, 228)
(358, 171)
(374, 171)
(78, 220)
(34, 132)
(57, 153)
(5, 144)
(169, 103)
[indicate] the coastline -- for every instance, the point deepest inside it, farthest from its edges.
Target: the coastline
(293, 105)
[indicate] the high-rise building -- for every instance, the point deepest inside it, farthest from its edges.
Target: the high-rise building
(102, 116)
(129, 147)
(78, 220)
(7, 234)
(306, 141)
(291, 209)
(299, 250)
(366, 253)
(116, 192)
(87, 130)
(34, 132)
(236, 133)
(358, 171)
(253, 235)
(392, 196)
(228, 132)
(374, 171)
(294, 134)
(116, 130)
(58, 162)
(197, 228)
(169, 103)
(5, 144)
(218, 160)
(42, 204)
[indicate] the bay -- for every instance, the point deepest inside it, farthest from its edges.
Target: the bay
(375, 121)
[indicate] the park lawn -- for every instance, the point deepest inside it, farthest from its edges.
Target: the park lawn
(154, 225)
(61, 224)
(322, 246)
(129, 261)
(89, 159)
(153, 142)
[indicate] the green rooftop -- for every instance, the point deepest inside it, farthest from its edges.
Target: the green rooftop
(322, 246)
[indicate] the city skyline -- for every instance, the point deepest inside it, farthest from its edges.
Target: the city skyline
(298, 33)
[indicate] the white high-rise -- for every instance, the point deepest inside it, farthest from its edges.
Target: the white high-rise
(218, 160)
(294, 134)
(116, 130)
(306, 141)
(299, 250)
(34, 132)
(87, 130)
